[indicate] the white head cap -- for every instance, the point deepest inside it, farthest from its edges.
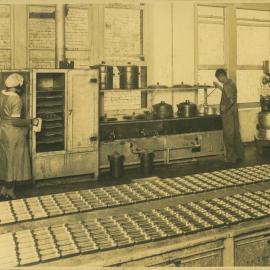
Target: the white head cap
(14, 80)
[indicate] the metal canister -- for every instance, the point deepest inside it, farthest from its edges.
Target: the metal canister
(105, 76)
(147, 162)
(129, 77)
(116, 165)
(143, 77)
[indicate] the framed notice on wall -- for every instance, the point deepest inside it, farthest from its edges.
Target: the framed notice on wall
(41, 36)
(123, 33)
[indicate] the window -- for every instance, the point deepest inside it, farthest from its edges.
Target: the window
(5, 37)
(210, 47)
(253, 46)
(77, 40)
(123, 28)
(41, 37)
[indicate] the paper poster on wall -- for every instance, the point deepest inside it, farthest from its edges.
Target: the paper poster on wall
(122, 33)
(41, 36)
(77, 43)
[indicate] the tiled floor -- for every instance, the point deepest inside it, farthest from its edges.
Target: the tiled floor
(189, 167)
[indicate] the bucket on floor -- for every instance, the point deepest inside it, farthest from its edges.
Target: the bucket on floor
(116, 165)
(147, 162)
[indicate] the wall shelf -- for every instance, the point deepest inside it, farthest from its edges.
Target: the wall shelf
(159, 89)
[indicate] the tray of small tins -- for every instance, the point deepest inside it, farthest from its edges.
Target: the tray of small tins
(51, 243)
(141, 191)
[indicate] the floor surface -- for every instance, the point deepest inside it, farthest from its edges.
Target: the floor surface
(188, 167)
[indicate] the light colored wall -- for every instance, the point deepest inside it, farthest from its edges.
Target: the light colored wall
(176, 23)
(169, 51)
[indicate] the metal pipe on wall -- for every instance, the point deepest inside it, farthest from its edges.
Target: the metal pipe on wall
(60, 33)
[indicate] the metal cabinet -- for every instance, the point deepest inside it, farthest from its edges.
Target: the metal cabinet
(198, 255)
(67, 101)
(253, 250)
(167, 148)
(75, 150)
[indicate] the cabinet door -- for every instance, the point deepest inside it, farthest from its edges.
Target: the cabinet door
(82, 110)
(253, 251)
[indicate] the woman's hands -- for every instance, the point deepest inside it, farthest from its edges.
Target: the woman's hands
(35, 122)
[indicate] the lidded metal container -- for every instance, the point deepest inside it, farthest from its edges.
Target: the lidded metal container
(187, 109)
(105, 76)
(147, 162)
(129, 77)
(116, 165)
(265, 103)
(163, 110)
(264, 120)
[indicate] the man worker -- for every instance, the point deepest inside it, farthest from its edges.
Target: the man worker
(234, 150)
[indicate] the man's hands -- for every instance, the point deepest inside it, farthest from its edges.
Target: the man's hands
(217, 85)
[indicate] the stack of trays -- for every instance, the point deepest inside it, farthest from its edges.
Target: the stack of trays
(20, 210)
(35, 208)
(116, 233)
(6, 213)
(8, 251)
(26, 248)
(46, 244)
(99, 235)
(63, 239)
(83, 240)
(50, 206)
(131, 228)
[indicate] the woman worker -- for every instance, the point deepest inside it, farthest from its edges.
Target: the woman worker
(14, 150)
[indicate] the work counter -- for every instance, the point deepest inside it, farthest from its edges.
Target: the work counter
(171, 140)
(157, 127)
(211, 219)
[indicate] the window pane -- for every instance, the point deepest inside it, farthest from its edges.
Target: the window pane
(211, 44)
(252, 14)
(207, 77)
(248, 83)
(210, 11)
(253, 45)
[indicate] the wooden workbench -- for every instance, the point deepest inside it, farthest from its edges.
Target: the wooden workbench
(243, 244)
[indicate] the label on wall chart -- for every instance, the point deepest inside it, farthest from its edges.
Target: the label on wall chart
(5, 37)
(41, 37)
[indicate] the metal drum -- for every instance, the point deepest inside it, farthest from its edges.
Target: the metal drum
(147, 162)
(105, 76)
(129, 77)
(143, 77)
(265, 103)
(116, 165)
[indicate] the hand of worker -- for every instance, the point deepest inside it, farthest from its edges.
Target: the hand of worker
(35, 122)
(216, 85)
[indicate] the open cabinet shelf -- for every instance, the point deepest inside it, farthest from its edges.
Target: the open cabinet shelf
(50, 105)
